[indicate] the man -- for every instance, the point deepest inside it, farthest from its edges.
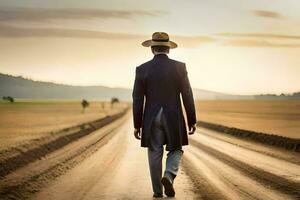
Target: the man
(160, 82)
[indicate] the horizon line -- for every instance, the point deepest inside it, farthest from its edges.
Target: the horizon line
(118, 87)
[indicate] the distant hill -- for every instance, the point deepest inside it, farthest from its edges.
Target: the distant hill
(19, 87)
(295, 95)
(210, 95)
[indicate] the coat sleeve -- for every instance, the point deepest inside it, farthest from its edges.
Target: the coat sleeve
(138, 99)
(187, 97)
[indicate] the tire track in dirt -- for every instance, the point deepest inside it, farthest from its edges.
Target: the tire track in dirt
(268, 150)
(231, 182)
(280, 141)
(203, 187)
(87, 177)
(19, 187)
(262, 176)
(37, 151)
(276, 182)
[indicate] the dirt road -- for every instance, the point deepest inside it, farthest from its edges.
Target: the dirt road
(214, 166)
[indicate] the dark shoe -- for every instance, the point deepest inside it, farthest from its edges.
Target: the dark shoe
(157, 195)
(168, 185)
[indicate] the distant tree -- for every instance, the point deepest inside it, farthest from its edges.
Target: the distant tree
(9, 98)
(84, 104)
(296, 94)
(113, 101)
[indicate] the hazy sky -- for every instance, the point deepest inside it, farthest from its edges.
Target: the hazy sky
(232, 46)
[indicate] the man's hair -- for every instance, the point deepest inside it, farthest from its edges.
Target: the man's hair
(164, 49)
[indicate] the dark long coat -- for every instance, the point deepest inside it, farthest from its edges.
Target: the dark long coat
(159, 83)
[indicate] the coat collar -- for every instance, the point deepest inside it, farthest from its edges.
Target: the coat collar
(160, 56)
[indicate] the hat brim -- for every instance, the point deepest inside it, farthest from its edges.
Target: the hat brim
(150, 43)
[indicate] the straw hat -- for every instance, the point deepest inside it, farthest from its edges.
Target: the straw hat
(160, 39)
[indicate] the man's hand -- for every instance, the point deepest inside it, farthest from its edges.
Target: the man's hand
(192, 129)
(137, 133)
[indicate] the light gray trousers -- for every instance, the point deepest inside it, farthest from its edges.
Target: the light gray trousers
(155, 154)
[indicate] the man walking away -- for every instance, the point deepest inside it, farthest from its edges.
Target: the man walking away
(157, 112)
